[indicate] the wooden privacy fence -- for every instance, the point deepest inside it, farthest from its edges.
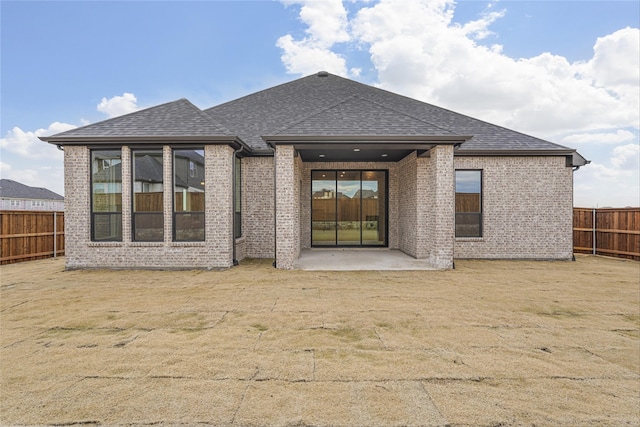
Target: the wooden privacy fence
(607, 231)
(30, 235)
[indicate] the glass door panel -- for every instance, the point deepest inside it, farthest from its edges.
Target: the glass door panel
(323, 208)
(349, 221)
(374, 215)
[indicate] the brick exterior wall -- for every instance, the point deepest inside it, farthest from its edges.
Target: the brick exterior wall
(408, 200)
(527, 210)
(527, 205)
(287, 207)
(215, 252)
(257, 206)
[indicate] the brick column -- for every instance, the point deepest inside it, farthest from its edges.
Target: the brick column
(287, 221)
(218, 204)
(77, 215)
(443, 232)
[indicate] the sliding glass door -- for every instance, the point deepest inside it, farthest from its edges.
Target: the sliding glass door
(349, 208)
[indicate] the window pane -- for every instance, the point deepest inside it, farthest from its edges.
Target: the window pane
(148, 187)
(468, 203)
(188, 194)
(323, 207)
(106, 197)
(349, 208)
(373, 207)
(189, 227)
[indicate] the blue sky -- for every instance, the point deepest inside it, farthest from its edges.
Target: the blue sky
(566, 71)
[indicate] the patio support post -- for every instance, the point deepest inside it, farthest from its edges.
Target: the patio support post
(443, 232)
(287, 220)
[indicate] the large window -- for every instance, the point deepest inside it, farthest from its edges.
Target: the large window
(148, 217)
(468, 203)
(106, 195)
(188, 195)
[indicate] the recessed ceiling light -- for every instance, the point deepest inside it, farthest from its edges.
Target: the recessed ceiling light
(356, 149)
(385, 155)
(320, 155)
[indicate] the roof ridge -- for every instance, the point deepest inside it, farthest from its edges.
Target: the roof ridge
(205, 115)
(257, 93)
(403, 113)
(315, 113)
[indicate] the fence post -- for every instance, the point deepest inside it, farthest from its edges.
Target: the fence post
(55, 234)
(594, 232)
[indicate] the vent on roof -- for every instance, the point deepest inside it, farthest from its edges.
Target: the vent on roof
(323, 74)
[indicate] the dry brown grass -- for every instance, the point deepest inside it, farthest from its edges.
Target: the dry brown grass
(490, 343)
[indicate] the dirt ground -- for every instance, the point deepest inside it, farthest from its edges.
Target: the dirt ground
(492, 343)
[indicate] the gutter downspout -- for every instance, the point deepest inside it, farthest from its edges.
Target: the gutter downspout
(233, 203)
(275, 211)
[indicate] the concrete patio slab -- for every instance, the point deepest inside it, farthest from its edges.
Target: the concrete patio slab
(318, 259)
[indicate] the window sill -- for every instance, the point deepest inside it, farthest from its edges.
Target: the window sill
(145, 244)
(188, 244)
(469, 239)
(104, 244)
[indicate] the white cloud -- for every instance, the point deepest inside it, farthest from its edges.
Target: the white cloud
(27, 144)
(616, 59)
(326, 25)
(303, 58)
(419, 51)
(626, 157)
(614, 181)
(614, 137)
(118, 105)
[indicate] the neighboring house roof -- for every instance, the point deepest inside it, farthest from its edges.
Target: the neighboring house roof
(366, 194)
(148, 169)
(176, 121)
(14, 189)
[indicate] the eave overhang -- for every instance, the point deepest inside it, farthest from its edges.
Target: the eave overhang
(393, 141)
(574, 159)
(233, 141)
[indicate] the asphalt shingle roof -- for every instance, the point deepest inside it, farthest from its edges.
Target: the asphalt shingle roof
(358, 116)
(321, 105)
(10, 188)
(177, 118)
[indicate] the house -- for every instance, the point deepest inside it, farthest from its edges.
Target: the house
(317, 162)
(15, 196)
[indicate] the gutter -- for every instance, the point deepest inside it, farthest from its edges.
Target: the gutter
(233, 141)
